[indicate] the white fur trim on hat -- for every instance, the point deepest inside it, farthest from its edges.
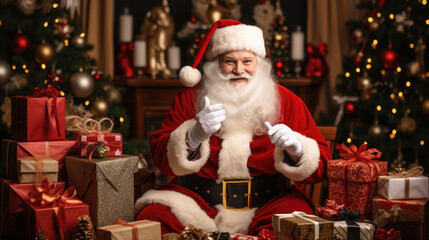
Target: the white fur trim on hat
(306, 166)
(236, 37)
(177, 151)
(189, 76)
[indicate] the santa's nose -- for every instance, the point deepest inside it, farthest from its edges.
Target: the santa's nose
(238, 68)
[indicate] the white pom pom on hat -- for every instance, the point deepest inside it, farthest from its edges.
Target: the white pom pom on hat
(223, 36)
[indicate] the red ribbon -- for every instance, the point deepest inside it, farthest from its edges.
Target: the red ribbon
(47, 195)
(266, 234)
(330, 209)
(134, 227)
(353, 154)
(49, 92)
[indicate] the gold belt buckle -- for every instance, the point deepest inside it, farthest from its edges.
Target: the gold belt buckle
(224, 200)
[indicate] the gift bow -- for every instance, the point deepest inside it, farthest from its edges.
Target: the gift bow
(330, 209)
(385, 217)
(304, 216)
(320, 49)
(47, 195)
(402, 173)
(51, 106)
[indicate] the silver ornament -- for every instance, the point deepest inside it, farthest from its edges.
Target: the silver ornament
(82, 84)
(78, 41)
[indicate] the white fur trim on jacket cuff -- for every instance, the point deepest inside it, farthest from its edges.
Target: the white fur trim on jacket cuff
(177, 153)
(306, 166)
(186, 210)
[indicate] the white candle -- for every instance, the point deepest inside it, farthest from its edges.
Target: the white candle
(174, 57)
(126, 27)
(297, 45)
(139, 53)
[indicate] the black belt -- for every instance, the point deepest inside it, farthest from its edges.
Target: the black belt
(238, 194)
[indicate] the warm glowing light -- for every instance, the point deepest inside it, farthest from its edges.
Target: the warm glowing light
(46, 81)
(1, 23)
(43, 66)
(394, 110)
(57, 20)
(368, 66)
(411, 45)
(357, 70)
(379, 108)
(369, 60)
(427, 74)
(366, 143)
(383, 72)
(13, 67)
(427, 21)
(349, 140)
(400, 94)
(379, 14)
(46, 24)
(121, 119)
(62, 93)
(392, 95)
(86, 102)
(408, 84)
(392, 136)
(391, 16)
(422, 142)
(55, 5)
(398, 69)
(347, 74)
(66, 42)
(26, 71)
(424, 2)
(82, 35)
(370, 19)
(394, 131)
(24, 66)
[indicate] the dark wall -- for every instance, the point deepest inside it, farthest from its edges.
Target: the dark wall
(294, 11)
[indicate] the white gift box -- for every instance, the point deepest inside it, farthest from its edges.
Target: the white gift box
(403, 188)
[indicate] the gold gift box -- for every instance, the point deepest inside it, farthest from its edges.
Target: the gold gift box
(290, 227)
(106, 185)
(147, 230)
(27, 170)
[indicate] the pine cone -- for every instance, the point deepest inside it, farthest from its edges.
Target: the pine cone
(41, 235)
(84, 229)
(193, 233)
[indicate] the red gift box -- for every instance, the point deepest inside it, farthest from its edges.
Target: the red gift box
(88, 141)
(38, 118)
(353, 179)
(12, 150)
(408, 216)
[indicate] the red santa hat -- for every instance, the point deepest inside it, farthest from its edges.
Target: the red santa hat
(223, 36)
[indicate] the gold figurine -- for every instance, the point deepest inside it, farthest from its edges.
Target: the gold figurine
(158, 30)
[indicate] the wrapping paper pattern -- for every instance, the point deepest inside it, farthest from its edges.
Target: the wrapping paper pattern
(106, 185)
(86, 143)
(33, 118)
(27, 170)
(367, 230)
(149, 230)
(404, 188)
(359, 184)
(13, 150)
(294, 228)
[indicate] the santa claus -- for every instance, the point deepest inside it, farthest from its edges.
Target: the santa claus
(233, 141)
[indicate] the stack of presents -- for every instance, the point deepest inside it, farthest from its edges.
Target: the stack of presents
(365, 201)
(48, 183)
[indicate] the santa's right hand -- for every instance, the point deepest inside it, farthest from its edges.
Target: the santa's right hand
(209, 121)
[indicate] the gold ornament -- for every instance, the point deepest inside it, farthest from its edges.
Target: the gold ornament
(415, 68)
(222, 9)
(82, 84)
(425, 106)
(158, 30)
(376, 129)
(364, 82)
(407, 125)
(192, 233)
(78, 41)
(100, 107)
(114, 95)
(44, 53)
(170, 236)
(5, 71)
(100, 151)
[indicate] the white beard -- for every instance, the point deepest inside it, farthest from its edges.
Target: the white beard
(248, 107)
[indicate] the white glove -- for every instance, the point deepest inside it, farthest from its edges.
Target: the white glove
(283, 137)
(209, 121)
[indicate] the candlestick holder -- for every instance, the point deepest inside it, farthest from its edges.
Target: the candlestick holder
(297, 68)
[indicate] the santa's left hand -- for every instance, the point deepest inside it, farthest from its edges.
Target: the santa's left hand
(283, 137)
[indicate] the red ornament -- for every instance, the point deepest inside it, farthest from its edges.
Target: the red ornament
(278, 73)
(20, 44)
(279, 64)
(316, 64)
(197, 40)
(193, 19)
(349, 109)
(389, 57)
(357, 61)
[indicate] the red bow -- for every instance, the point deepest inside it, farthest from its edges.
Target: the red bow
(266, 234)
(47, 92)
(316, 64)
(321, 49)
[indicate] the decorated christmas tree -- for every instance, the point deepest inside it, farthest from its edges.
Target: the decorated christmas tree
(384, 100)
(42, 46)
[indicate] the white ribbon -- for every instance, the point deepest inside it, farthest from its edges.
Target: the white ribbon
(304, 216)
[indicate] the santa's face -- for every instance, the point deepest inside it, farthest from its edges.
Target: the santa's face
(238, 65)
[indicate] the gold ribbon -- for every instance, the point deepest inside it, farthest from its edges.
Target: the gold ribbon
(87, 125)
(40, 168)
(403, 173)
(385, 217)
